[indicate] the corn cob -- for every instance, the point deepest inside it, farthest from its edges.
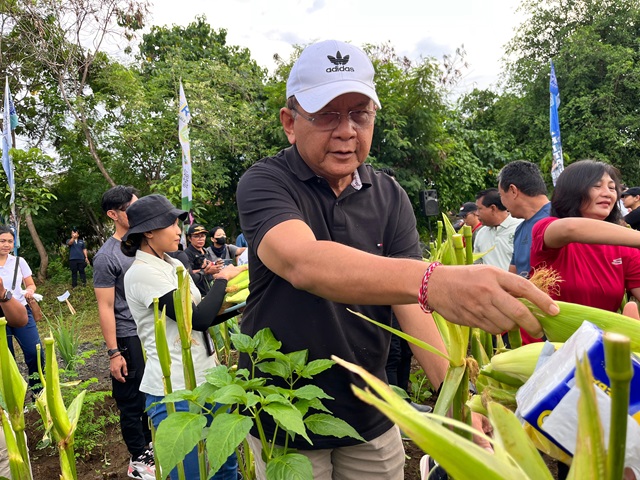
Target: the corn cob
(242, 276)
(238, 297)
(571, 316)
(519, 363)
(238, 286)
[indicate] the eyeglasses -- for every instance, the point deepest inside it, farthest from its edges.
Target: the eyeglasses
(330, 120)
(199, 235)
(3, 241)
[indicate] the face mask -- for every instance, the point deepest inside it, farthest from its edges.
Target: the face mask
(221, 240)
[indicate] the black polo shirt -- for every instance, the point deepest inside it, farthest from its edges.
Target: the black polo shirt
(377, 219)
(633, 219)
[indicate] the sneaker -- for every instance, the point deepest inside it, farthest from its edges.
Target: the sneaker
(143, 466)
(430, 470)
(421, 408)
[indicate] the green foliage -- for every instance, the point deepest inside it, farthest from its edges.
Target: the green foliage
(95, 416)
(593, 44)
(295, 409)
(66, 333)
(420, 389)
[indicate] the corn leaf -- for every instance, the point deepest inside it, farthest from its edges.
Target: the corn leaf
(401, 334)
(449, 388)
(590, 460)
(461, 458)
(508, 432)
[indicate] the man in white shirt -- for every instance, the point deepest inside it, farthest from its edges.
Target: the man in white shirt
(498, 230)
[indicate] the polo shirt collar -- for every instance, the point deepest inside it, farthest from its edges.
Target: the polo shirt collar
(300, 169)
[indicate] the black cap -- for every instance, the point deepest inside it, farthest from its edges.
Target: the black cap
(633, 191)
(467, 208)
(196, 228)
(151, 213)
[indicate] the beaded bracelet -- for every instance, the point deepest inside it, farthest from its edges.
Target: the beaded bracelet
(423, 299)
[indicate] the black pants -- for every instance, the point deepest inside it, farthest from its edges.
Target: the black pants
(130, 400)
(77, 266)
(399, 360)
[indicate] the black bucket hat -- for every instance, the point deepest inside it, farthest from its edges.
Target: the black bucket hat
(151, 213)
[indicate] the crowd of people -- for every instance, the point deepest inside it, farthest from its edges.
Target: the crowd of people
(322, 232)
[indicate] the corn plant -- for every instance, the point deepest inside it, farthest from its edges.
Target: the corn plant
(13, 389)
(515, 455)
(59, 421)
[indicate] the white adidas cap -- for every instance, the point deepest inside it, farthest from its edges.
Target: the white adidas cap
(328, 69)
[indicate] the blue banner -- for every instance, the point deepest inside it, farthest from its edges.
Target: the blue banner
(7, 140)
(557, 165)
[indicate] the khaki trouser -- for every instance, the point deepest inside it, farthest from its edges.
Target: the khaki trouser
(380, 459)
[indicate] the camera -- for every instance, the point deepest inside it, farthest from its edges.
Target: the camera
(199, 261)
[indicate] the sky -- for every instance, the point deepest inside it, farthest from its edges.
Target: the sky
(415, 28)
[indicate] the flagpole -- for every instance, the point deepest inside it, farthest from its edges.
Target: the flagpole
(9, 123)
(557, 164)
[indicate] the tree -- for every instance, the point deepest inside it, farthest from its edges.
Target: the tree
(33, 196)
(65, 39)
(593, 44)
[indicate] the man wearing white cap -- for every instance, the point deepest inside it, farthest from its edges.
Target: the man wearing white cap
(321, 227)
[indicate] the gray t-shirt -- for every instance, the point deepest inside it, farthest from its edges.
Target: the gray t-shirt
(109, 267)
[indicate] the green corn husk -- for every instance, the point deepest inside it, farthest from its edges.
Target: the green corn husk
(620, 371)
(560, 327)
(461, 458)
(518, 364)
(240, 278)
(13, 389)
(237, 297)
(590, 459)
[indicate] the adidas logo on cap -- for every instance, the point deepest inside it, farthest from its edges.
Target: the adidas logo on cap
(339, 61)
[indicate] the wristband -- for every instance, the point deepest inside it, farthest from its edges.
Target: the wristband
(423, 298)
(115, 355)
(113, 351)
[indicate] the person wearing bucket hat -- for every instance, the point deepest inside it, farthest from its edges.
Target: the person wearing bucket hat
(153, 233)
(321, 227)
(202, 262)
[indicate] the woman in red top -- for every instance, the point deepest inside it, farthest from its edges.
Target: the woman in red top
(583, 240)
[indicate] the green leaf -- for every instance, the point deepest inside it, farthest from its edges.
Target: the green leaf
(266, 342)
(508, 431)
(279, 369)
(309, 392)
(315, 367)
(243, 343)
(448, 391)
(219, 376)
(298, 359)
(288, 417)
(589, 460)
(292, 466)
(176, 436)
(328, 425)
(75, 408)
(230, 394)
(408, 338)
(226, 432)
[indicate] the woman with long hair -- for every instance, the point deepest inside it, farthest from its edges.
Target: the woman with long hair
(583, 242)
(596, 260)
(14, 272)
(153, 233)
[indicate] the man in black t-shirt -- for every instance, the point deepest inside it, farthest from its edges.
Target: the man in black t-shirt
(321, 228)
(631, 200)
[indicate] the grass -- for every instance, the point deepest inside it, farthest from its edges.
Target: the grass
(83, 301)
